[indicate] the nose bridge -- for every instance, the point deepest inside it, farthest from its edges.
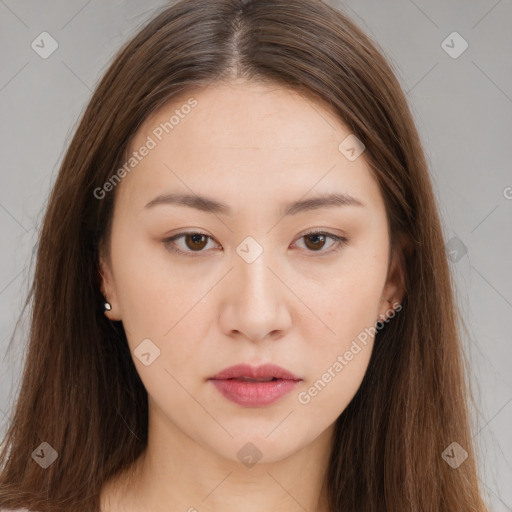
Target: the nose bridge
(255, 295)
(255, 283)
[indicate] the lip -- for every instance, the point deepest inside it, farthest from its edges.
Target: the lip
(250, 393)
(255, 372)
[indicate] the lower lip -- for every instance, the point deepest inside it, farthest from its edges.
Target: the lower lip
(254, 394)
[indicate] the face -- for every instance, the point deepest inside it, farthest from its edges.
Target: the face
(243, 276)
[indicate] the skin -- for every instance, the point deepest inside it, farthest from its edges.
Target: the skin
(298, 305)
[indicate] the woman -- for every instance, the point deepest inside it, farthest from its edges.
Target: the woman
(242, 299)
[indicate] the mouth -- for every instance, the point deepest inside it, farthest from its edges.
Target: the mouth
(265, 372)
(254, 386)
(248, 379)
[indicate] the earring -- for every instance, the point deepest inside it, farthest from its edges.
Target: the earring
(107, 306)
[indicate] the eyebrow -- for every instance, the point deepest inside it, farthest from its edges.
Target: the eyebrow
(209, 205)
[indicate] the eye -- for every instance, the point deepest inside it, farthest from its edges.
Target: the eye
(315, 240)
(195, 242)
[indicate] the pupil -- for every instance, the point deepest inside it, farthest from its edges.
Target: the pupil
(315, 243)
(194, 238)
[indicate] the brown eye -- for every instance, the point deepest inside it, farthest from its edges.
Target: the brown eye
(315, 241)
(195, 241)
(192, 243)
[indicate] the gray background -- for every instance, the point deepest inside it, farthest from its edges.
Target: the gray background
(462, 106)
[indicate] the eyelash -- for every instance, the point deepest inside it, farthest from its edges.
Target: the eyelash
(340, 242)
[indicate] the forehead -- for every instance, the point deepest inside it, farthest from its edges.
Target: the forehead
(246, 139)
(249, 115)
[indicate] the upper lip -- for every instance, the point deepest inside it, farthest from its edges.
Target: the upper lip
(255, 372)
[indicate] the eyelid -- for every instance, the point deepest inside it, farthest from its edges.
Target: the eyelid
(339, 240)
(168, 243)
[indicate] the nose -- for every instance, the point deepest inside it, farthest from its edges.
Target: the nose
(255, 304)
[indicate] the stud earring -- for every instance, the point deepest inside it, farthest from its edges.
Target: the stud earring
(107, 306)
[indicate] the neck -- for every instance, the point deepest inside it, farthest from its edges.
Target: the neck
(177, 473)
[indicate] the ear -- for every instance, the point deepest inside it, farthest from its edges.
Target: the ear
(394, 289)
(108, 286)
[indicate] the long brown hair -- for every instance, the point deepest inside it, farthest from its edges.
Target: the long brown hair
(80, 391)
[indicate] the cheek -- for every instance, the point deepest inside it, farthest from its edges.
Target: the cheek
(340, 350)
(328, 394)
(154, 301)
(348, 301)
(338, 361)
(172, 309)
